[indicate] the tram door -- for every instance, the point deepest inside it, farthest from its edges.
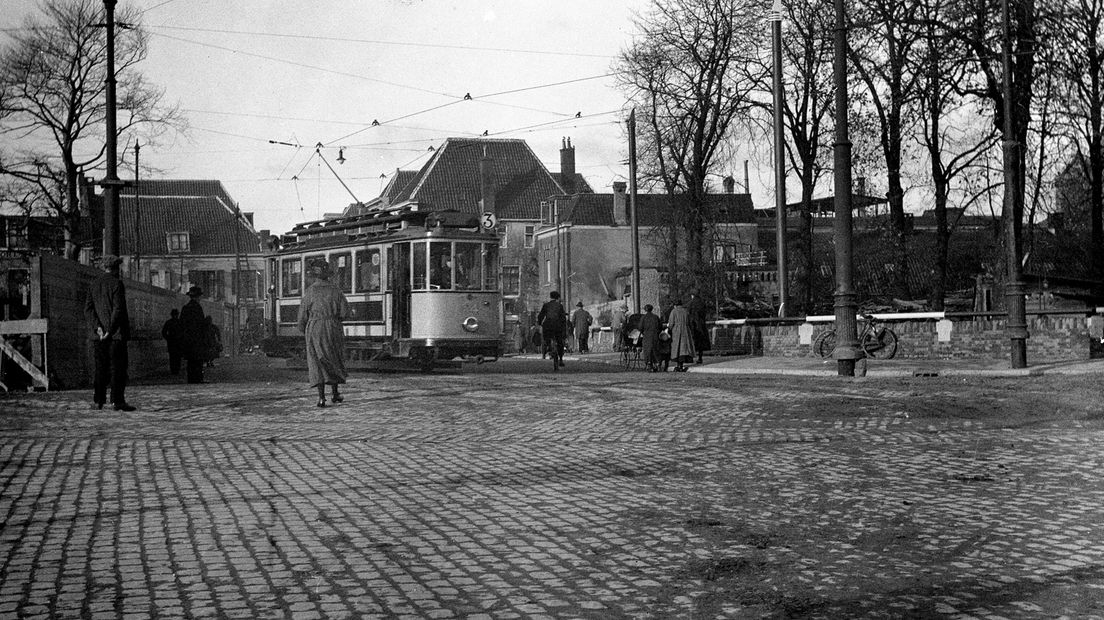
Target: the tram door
(398, 278)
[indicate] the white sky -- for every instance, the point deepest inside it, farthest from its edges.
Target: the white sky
(241, 86)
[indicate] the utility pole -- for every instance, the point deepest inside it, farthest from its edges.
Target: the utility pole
(632, 214)
(1016, 318)
(847, 350)
(137, 218)
(111, 182)
(779, 161)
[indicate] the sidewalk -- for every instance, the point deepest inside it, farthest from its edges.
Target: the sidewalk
(815, 366)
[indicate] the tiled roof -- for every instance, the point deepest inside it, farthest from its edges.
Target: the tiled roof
(201, 208)
(581, 185)
(451, 178)
(653, 209)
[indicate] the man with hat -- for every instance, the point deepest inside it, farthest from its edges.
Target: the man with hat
(193, 325)
(581, 321)
(106, 312)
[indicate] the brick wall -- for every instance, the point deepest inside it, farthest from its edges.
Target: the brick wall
(1055, 337)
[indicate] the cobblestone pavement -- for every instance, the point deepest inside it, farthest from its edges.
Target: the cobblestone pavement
(505, 491)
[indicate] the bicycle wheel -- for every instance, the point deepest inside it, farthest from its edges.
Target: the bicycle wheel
(881, 346)
(825, 343)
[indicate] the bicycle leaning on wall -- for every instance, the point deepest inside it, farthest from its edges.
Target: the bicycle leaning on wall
(876, 340)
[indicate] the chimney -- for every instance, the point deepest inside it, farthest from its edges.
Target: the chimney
(567, 166)
(729, 184)
(620, 204)
(486, 184)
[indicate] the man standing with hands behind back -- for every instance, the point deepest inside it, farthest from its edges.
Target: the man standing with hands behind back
(106, 312)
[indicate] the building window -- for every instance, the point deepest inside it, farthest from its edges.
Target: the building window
(546, 211)
(530, 236)
(548, 271)
(504, 235)
(247, 284)
(511, 280)
(213, 283)
(178, 242)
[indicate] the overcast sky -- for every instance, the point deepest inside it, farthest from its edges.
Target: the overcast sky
(306, 72)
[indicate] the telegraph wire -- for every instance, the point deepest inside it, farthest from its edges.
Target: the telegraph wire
(378, 42)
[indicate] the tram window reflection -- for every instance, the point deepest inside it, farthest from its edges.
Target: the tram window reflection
(440, 265)
(368, 268)
(311, 262)
(418, 252)
(343, 272)
(291, 277)
(468, 263)
(490, 267)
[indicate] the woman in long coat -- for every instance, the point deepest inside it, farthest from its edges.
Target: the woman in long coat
(682, 340)
(323, 309)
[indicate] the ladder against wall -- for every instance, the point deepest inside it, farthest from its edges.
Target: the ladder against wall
(36, 367)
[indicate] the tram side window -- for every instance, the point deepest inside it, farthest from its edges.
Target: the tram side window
(468, 266)
(490, 267)
(343, 271)
(311, 261)
(368, 268)
(440, 265)
(418, 254)
(291, 277)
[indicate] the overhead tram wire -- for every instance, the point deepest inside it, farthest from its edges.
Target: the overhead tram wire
(378, 42)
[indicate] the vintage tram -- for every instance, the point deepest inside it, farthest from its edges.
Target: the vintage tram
(422, 286)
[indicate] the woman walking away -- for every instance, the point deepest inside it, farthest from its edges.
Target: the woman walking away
(682, 341)
(320, 317)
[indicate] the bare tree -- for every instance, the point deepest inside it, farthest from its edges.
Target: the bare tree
(1078, 28)
(684, 75)
(807, 108)
(52, 101)
(880, 52)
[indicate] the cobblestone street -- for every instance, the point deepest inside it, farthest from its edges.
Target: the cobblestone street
(506, 491)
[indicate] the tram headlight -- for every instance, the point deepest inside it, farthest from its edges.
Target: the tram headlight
(471, 324)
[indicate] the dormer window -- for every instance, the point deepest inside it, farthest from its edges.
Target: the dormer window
(178, 241)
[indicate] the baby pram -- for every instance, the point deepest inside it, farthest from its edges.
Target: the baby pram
(631, 342)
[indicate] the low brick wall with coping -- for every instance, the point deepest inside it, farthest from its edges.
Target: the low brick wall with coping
(1053, 336)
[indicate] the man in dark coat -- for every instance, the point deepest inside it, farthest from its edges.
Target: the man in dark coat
(173, 336)
(699, 330)
(581, 321)
(553, 323)
(106, 312)
(193, 324)
(650, 326)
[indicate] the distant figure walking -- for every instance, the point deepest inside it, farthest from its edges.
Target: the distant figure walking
(617, 321)
(193, 324)
(173, 334)
(581, 321)
(649, 341)
(321, 314)
(213, 340)
(699, 329)
(106, 312)
(682, 342)
(553, 323)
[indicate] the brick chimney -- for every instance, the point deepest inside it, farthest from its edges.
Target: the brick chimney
(486, 183)
(567, 166)
(620, 204)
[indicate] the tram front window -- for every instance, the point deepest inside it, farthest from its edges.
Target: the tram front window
(468, 264)
(440, 265)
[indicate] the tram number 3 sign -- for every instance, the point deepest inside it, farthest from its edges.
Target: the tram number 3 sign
(488, 220)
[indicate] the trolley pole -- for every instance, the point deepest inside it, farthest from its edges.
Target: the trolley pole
(632, 214)
(779, 161)
(1016, 318)
(111, 182)
(846, 337)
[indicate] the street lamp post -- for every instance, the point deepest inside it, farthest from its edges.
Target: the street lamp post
(1016, 318)
(632, 214)
(779, 160)
(847, 350)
